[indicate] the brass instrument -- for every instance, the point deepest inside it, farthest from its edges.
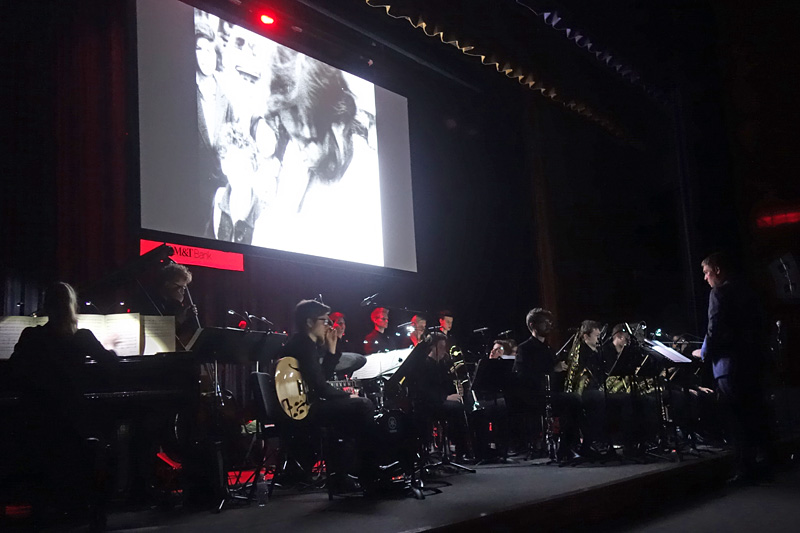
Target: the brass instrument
(576, 379)
(457, 358)
(578, 376)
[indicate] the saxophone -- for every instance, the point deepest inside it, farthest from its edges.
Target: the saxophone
(575, 380)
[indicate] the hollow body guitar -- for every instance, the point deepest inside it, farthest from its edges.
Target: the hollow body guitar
(292, 390)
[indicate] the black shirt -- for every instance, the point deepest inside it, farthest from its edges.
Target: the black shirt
(308, 355)
(376, 342)
(593, 362)
(534, 360)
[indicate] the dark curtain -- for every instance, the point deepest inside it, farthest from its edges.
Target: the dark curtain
(94, 202)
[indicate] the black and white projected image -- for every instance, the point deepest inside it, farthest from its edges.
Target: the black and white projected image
(288, 149)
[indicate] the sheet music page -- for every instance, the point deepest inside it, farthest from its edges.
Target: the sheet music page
(120, 332)
(124, 333)
(96, 324)
(669, 353)
(11, 328)
(159, 334)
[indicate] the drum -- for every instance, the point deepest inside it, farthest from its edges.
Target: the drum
(395, 448)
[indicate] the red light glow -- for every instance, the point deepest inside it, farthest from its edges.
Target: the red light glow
(266, 19)
(778, 219)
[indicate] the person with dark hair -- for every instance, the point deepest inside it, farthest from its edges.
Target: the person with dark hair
(445, 322)
(435, 396)
(378, 340)
(420, 324)
(500, 347)
(534, 363)
(592, 378)
(315, 340)
(735, 343)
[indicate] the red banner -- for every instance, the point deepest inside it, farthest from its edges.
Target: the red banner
(192, 255)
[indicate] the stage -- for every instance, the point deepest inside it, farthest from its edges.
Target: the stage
(499, 497)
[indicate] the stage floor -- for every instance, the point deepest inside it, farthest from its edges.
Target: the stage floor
(463, 501)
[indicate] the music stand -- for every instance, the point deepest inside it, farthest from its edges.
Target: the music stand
(231, 346)
(492, 377)
(405, 375)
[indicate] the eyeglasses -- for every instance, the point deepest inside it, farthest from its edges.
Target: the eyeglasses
(180, 287)
(327, 321)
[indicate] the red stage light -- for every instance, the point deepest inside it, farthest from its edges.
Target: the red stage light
(266, 19)
(242, 324)
(778, 219)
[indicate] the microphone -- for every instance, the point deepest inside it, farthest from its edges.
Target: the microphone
(260, 319)
(506, 333)
(480, 330)
(242, 316)
(368, 300)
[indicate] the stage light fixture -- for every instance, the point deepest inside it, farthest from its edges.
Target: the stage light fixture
(266, 19)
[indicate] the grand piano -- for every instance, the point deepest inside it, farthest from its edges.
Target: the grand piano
(146, 394)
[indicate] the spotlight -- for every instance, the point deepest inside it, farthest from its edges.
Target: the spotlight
(266, 19)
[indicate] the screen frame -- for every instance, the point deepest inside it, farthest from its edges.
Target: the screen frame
(292, 39)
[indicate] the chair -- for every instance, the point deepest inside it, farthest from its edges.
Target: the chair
(273, 423)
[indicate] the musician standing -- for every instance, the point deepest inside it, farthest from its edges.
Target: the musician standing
(734, 343)
(378, 340)
(168, 298)
(592, 375)
(535, 360)
(314, 341)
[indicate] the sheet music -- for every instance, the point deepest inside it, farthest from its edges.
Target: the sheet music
(120, 332)
(11, 328)
(667, 352)
(159, 334)
(382, 363)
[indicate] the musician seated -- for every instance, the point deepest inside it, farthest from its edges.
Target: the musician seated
(378, 340)
(48, 364)
(631, 418)
(419, 323)
(436, 398)
(313, 341)
(348, 361)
